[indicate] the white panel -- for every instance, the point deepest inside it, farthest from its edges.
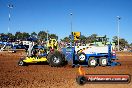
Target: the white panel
(93, 49)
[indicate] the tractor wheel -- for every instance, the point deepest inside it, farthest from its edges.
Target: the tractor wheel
(103, 61)
(21, 62)
(81, 57)
(81, 80)
(92, 62)
(49, 56)
(55, 59)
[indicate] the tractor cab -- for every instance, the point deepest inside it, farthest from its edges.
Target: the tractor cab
(40, 50)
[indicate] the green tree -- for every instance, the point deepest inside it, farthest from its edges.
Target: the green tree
(83, 39)
(66, 39)
(123, 43)
(1, 34)
(22, 36)
(130, 45)
(34, 34)
(115, 40)
(42, 35)
(53, 36)
(25, 35)
(11, 37)
(18, 35)
(91, 38)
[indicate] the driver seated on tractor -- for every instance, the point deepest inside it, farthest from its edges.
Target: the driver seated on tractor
(41, 52)
(35, 53)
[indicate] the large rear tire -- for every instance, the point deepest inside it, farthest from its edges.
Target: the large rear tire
(55, 59)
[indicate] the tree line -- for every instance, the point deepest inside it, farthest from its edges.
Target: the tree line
(23, 36)
(93, 38)
(42, 36)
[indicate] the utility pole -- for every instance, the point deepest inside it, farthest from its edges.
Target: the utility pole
(71, 29)
(10, 6)
(71, 21)
(47, 38)
(118, 28)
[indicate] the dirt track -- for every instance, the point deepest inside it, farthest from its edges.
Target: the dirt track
(44, 76)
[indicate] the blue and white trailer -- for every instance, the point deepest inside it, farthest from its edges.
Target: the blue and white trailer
(84, 55)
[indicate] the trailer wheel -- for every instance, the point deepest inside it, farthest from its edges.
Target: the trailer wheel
(81, 80)
(92, 62)
(21, 62)
(55, 59)
(103, 61)
(81, 56)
